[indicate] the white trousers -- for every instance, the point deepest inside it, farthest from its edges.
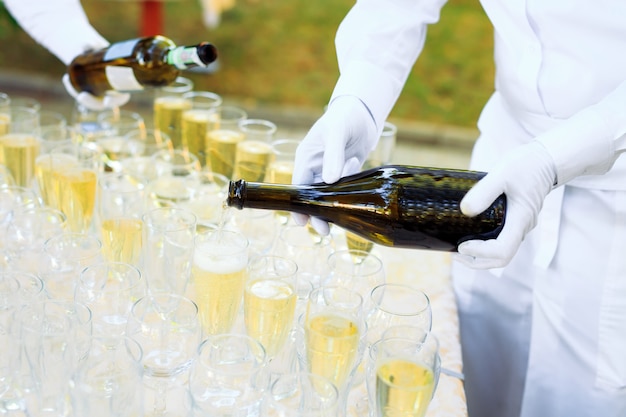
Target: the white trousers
(546, 336)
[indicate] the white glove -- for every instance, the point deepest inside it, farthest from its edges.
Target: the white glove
(61, 26)
(336, 146)
(526, 175)
(110, 100)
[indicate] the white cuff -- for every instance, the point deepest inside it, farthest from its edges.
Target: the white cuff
(581, 145)
(372, 86)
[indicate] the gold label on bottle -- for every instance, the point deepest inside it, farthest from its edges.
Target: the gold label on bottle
(122, 78)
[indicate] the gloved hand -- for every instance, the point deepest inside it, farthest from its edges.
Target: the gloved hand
(526, 175)
(336, 146)
(110, 100)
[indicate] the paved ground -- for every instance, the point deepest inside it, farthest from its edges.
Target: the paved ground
(418, 143)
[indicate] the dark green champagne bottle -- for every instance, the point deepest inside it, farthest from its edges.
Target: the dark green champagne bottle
(153, 61)
(393, 205)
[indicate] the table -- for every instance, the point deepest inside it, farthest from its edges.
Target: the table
(430, 271)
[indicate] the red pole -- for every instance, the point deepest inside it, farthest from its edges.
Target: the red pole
(151, 17)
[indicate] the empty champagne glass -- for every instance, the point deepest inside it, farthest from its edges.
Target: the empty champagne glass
(281, 167)
(115, 146)
(64, 256)
(383, 153)
(53, 336)
(167, 328)
(356, 269)
(13, 199)
(27, 233)
(301, 394)
(168, 248)
(219, 275)
(53, 129)
(143, 144)
(207, 200)
(176, 178)
(110, 289)
(296, 243)
(227, 377)
(391, 304)
(106, 382)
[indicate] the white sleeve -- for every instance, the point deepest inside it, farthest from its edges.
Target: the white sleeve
(61, 26)
(589, 142)
(377, 44)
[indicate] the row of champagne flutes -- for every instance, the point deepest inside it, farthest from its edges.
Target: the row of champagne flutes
(250, 310)
(169, 258)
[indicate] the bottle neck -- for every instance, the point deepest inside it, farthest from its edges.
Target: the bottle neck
(243, 194)
(183, 57)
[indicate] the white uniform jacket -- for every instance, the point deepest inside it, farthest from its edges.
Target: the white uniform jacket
(546, 335)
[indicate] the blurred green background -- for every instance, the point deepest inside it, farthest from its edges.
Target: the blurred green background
(282, 53)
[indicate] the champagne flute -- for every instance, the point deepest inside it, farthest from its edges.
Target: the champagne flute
(20, 143)
(115, 145)
(168, 246)
(197, 120)
(269, 301)
(176, 178)
(27, 233)
(207, 200)
(65, 255)
(405, 377)
(54, 337)
(143, 145)
(295, 243)
(392, 304)
(301, 394)
(222, 139)
(53, 129)
(120, 207)
(67, 178)
(110, 289)
(280, 169)
(356, 269)
(167, 328)
(227, 377)
(333, 331)
(253, 155)
(106, 382)
(219, 275)
(383, 153)
(168, 108)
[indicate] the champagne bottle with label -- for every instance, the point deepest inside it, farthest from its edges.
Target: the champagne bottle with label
(134, 64)
(393, 205)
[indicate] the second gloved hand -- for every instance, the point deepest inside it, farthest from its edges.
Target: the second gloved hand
(525, 175)
(336, 146)
(110, 100)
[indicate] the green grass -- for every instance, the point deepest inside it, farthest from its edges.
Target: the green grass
(282, 53)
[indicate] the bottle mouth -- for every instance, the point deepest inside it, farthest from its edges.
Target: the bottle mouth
(236, 189)
(207, 52)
